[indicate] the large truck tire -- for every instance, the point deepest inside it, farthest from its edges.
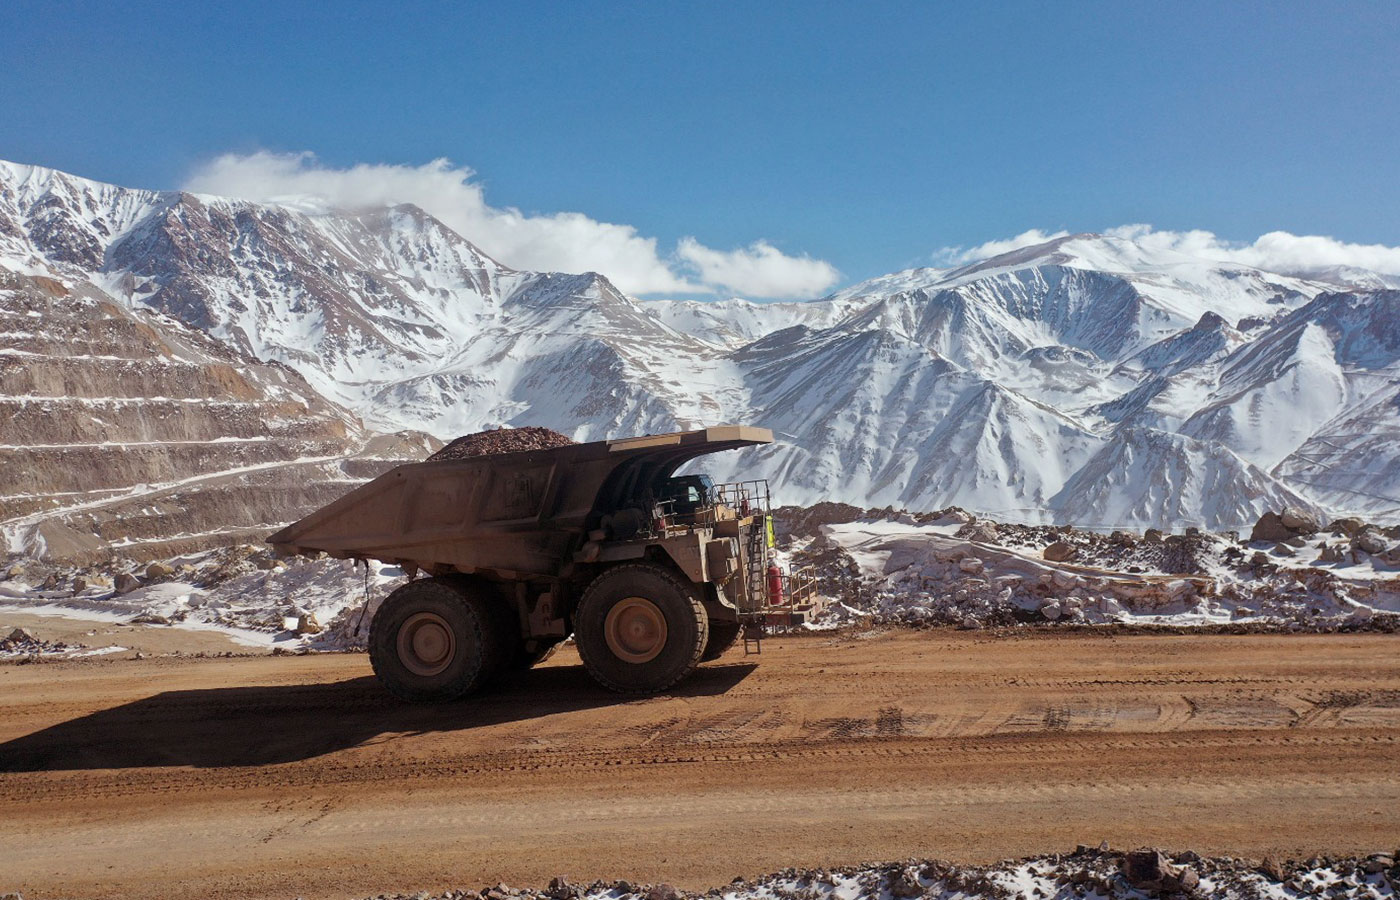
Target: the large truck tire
(503, 626)
(640, 629)
(723, 635)
(434, 640)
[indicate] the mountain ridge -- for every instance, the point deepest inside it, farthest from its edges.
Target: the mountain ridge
(990, 385)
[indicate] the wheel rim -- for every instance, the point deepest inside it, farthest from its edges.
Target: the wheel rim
(635, 630)
(426, 644)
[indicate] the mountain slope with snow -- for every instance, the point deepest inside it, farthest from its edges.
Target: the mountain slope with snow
(1089, 378)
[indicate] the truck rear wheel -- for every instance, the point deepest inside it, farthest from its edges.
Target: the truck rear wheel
(640, 629)
(432, 641)
(723, 635)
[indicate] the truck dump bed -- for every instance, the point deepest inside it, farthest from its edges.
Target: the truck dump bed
(518, 514)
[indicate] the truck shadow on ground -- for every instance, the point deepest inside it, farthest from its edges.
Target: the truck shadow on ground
(257, 726)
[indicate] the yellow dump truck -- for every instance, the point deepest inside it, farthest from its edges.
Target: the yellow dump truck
(508, 554)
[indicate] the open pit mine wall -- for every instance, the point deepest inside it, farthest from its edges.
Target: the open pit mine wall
(127, 433)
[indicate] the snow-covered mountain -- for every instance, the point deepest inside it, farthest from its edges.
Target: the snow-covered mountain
(1088, 379)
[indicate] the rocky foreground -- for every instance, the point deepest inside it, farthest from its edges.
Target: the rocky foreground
(954, 568)
(876, 567)
(1088, 872)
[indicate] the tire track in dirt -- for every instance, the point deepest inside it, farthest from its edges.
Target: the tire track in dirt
(297, 776)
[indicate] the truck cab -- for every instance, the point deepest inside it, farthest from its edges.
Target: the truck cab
(686, 495)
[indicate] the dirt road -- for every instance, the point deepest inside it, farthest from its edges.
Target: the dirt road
(286, 777)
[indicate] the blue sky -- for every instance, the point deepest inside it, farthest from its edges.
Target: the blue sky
(865, 136)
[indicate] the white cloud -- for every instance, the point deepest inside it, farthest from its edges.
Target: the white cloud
(961, 256)
(1277, 251)
(759, 270)
(555, 242)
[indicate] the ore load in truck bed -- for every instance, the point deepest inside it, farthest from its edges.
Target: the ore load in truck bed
(502, 440)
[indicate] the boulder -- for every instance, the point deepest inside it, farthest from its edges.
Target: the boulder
(1270, 527)
(307, 624)
(1144, 869)
(126, 583)
(22, 636)
(1060, 551)
(905, 884)
(1152, 536)
(158, 570)
(1151, 870)
(971, 565)
(665, 892)
(79, 584)
(1332, 554)
(1273, 870)
(1123, 538)
(1299, 521)
(1284, 550)
(1348, 526)
(560, 889)
(1370, 542)
(982, 532)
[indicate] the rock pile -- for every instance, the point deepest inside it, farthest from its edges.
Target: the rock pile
(1290, 523)
(952, 569)
(502, 440)
(23, 644)
(297, 601)
(1087, 871)
(942, 568)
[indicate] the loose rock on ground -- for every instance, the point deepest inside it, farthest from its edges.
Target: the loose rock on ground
(1101, 872)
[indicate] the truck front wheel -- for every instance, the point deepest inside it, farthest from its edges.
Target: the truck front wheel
(432, 641)
(640, 629)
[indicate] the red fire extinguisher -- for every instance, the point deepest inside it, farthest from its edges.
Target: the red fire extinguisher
(775, 584)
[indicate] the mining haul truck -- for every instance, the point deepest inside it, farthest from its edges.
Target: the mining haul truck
(507, 554)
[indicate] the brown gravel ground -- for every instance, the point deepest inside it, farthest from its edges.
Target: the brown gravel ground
(298, 776)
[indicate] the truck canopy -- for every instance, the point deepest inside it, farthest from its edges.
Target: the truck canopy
(520, 514)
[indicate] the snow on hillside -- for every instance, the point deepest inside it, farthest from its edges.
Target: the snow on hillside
(1090, 378)
(730, 324)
